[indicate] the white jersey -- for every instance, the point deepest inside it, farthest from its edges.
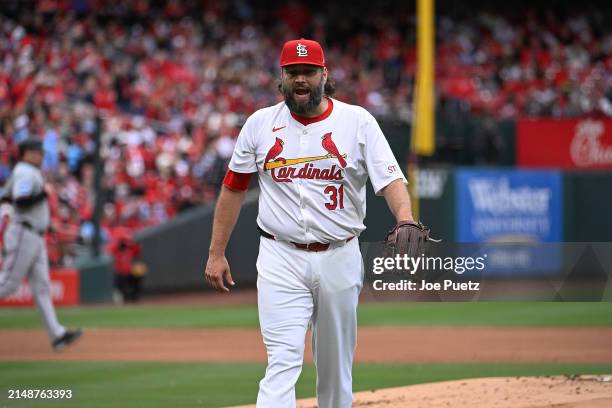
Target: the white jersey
(313, 175)
(27, 180)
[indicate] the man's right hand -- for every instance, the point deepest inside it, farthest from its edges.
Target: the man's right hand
(218, 272)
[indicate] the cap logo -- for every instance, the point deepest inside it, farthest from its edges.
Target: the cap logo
(301, 49)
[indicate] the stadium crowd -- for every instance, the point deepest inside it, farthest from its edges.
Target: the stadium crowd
(174, 80)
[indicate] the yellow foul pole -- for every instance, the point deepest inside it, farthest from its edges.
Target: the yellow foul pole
(424, 103)
(423, 107)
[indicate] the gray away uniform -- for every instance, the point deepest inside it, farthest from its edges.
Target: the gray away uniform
(25, 252)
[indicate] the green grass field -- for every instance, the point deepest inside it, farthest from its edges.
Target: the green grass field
(534, 314)
(97, 384)
(218, 385)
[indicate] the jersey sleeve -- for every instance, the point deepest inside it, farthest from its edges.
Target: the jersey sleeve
(381, 163)
(244, 159)
(6, 192)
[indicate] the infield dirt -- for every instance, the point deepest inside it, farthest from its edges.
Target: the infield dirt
(374, 344)
(516, 392)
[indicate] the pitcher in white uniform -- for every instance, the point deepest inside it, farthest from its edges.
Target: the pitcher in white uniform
(25, 252)
(312, 155)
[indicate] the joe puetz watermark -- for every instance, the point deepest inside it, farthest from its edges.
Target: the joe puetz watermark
(407, 265)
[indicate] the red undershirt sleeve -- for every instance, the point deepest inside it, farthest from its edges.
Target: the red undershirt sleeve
(237, 181)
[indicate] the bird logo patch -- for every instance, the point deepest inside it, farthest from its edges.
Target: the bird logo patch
(283, 170)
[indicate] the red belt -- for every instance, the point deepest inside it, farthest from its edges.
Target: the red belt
(311, 247)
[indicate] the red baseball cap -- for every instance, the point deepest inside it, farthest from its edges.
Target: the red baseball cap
(302, 52)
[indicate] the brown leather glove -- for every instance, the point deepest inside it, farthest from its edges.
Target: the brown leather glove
(407, 238)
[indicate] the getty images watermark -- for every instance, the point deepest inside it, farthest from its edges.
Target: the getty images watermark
(407, 265)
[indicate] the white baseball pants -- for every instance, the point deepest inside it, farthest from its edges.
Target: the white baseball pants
(297, 288)
(26, 255)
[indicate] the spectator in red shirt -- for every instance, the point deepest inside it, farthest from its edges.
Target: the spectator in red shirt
(126, 252)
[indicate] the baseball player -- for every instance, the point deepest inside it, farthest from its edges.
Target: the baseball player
(312, 155)
(25, 253)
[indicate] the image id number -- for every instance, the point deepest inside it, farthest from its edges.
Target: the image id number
(39, 394)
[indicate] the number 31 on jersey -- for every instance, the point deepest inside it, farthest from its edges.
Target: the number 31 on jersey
(336, 197)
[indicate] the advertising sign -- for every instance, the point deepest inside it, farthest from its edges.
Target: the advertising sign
(64, 286)
(565, 143)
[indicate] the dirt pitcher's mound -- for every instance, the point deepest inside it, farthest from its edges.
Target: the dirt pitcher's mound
(515, 392)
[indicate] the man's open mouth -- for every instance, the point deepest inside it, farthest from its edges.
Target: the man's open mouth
(302, 91)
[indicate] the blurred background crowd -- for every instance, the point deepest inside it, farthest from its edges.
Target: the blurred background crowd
(174, 80)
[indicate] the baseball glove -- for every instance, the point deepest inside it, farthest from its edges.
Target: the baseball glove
(407, 238)
(139, 269)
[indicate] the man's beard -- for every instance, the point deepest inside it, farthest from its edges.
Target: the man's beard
(314, 99)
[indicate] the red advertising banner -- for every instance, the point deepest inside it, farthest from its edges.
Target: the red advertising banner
(565, 143)
(64, 290)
